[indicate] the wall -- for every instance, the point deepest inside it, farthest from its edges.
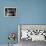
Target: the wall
(28, 12)
(7, 24)
(33, 12)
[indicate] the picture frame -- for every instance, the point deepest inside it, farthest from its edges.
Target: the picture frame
(38, 30)
(10, 11)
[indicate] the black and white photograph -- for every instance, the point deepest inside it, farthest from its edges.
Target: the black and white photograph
(31, 34)
(10, 11)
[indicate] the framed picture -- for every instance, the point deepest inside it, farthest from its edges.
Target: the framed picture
(10, 11)
(32, 32)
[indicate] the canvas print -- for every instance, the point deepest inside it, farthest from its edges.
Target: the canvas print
(10, 11)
